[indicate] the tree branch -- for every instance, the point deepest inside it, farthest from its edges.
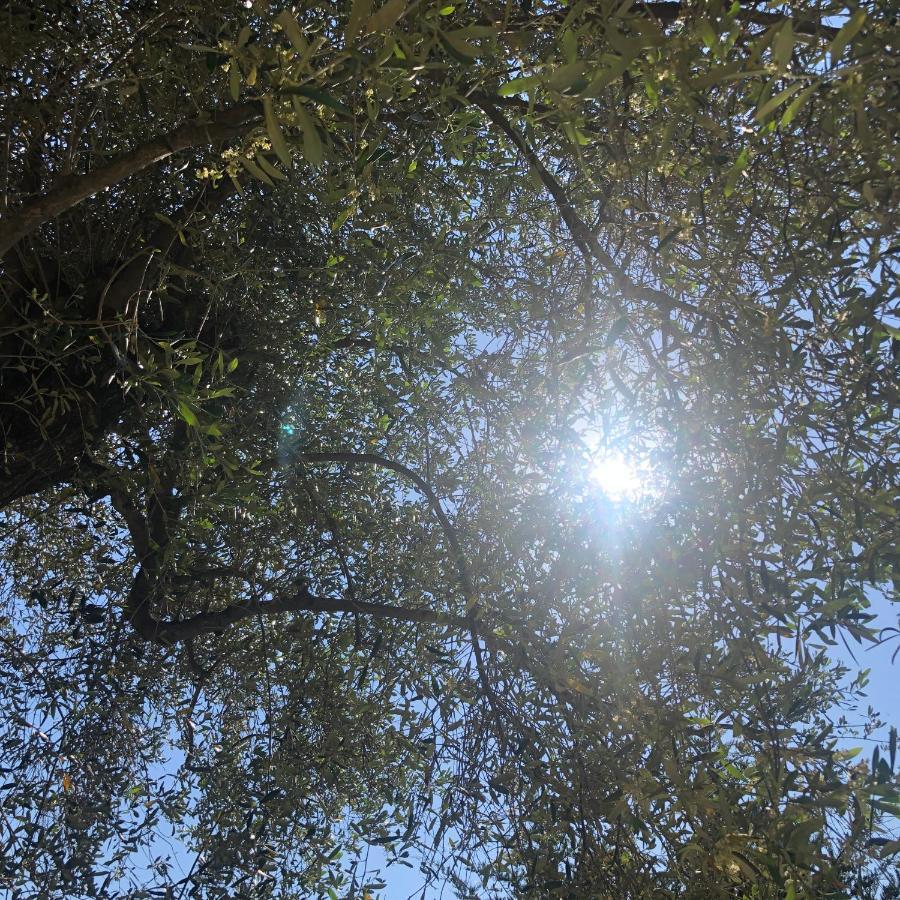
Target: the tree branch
(374, 459)
(584, 238)
(669, 12)
(171, 632)
(168, 632)
(70, 191)
(473, 607)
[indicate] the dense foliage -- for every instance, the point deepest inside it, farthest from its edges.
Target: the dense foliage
(315, 322)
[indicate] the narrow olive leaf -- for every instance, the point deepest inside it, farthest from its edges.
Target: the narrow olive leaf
(736, 170)
(359, 13)
(187, 414)
(848, 31)
(315, 46)
(291, 28)
(773, 103)
(797, 104)
(568, 76)
(322, 97)
(568, 44)
(276, 135)
(312, 143)
(459, 47)
(709, 34)
(518, 85)
(341, 220)
(783, 46)
(234, 80)
(606, 76)
(255, 170)
(269, 169)
(387, 16)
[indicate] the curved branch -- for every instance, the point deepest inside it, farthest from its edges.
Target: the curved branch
(72, 190)
(168, 632)
(216, 621)
(374, 459)
(148, 541)
(472, 605)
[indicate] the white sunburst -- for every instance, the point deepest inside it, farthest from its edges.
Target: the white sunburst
(620, 478)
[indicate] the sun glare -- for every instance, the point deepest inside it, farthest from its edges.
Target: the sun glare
(618, 478)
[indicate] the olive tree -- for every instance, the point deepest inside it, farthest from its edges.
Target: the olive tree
(317, 323)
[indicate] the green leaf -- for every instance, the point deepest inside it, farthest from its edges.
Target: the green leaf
(773, 103)
(291, 28)
(568, 77)
(255, 170)
(609, 73)
(312, 143)
(459, 47)
(797, 104)
(518, 85)
(188, 414)
(269, 169)
(359, 13)
(341, 220)
(276, 135)
(848, 31)
(736, 170)
(568, 44)
(783, 46)
(387, 16)
(707, 33)
(319, 96)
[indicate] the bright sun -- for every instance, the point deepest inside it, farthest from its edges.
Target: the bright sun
(618, 478)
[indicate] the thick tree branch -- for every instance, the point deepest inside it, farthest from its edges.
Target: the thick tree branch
(149, 537)
(170, 632)
(72, 190)
(167, 632)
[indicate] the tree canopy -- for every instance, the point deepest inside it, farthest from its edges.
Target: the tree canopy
(320, 322)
